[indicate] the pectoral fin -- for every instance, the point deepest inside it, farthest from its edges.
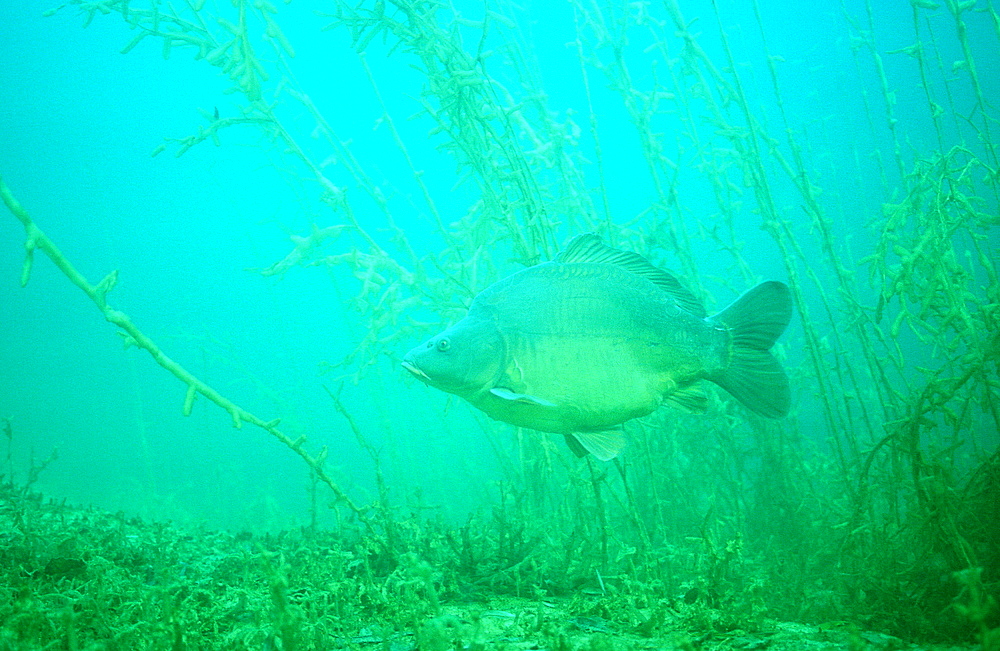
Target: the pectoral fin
(507, 394)
(604, 445)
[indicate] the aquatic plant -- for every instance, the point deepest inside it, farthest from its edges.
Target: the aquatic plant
(873, 503)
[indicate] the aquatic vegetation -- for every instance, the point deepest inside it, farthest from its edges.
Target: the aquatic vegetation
(873, 506)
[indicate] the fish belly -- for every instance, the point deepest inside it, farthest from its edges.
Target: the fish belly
(589, 347)
(579, 384)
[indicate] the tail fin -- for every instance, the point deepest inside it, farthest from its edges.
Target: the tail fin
(754, 376)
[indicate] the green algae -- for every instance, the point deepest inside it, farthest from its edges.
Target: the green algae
(88, 579)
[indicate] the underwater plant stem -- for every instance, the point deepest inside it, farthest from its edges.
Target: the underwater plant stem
(8, 431)
(890, 97)
(383, 489)
(777, 227)
(630, 507)
(663, 173)
(135, 337)
(469, 111)
(935, 110)
(956, 9)
(594, 133)
(334, 193)
(602, 519)
(417, 174)
(846, 287)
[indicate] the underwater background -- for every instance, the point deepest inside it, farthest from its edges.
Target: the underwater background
(295, 194)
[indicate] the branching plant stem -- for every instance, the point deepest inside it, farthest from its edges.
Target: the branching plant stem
(133, 336)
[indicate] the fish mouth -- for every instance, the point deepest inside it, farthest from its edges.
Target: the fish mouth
(409, 366)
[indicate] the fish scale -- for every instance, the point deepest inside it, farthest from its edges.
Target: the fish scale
(599, 336)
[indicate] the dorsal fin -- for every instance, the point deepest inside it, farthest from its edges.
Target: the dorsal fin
(588, 247)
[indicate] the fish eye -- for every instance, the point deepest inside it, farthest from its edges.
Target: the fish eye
(443, 345)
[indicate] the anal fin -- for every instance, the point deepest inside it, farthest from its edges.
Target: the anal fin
(691, 399)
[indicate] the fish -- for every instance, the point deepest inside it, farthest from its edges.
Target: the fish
(599, 336)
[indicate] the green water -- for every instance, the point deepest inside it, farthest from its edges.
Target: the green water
(283, 199)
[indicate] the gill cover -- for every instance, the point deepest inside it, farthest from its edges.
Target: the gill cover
(465, 359)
